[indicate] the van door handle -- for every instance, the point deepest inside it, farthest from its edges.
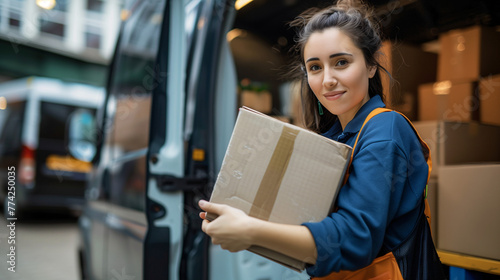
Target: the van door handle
(169, 183)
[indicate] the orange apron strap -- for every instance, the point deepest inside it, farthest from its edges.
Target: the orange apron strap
(373, 113)
(425, 149)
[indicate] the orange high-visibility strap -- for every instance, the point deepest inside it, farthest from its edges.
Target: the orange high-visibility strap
(427, 151)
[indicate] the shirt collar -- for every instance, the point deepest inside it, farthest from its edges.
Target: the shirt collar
(355, 124)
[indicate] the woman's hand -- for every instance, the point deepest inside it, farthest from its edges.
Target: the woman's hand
(231, 229)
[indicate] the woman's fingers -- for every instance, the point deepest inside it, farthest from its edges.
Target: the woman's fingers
(211, 207)
(203, 215)
(229, 229)
(204, 225)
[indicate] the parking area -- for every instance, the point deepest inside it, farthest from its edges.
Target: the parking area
(45, 248)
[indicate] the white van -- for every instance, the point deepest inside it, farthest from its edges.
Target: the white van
(170, 108)
(35, 115)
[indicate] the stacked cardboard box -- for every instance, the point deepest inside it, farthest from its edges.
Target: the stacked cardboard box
(454, 143)
(257, 100)
(447, 101)
(489, 99)
(459, 150)
(466, 55)
(404, 62)
(468, 210)
(458, 114)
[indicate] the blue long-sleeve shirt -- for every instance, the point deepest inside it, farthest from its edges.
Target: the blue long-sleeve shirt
(379, 204)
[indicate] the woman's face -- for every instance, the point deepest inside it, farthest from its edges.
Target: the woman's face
(337, 73)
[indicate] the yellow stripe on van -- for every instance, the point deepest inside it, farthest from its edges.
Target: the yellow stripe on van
(67, 163)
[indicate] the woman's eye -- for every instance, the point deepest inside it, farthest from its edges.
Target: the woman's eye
(314, 68)
(342, 62)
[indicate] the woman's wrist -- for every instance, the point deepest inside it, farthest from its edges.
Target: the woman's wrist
(253, 230)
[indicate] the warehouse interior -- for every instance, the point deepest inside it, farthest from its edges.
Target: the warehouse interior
(444, 57)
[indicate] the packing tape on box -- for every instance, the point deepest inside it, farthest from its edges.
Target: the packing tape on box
(270, 184)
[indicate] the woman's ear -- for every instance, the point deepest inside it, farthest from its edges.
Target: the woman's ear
(371, 71)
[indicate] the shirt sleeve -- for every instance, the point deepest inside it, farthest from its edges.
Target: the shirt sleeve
(352, 237)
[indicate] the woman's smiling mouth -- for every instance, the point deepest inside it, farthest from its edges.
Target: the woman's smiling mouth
(333, 95)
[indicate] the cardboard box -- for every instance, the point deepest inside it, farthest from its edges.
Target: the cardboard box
(261, 101)
(467, 54)
(489, 98)
(281, 173)
(453, 143)
(468, 210)
(448, 101)
(405, 63)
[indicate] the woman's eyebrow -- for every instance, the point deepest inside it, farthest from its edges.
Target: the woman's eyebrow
(331, 56)
(312, 59)
(339, 54)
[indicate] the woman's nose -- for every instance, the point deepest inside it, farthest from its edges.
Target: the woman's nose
(329, 80)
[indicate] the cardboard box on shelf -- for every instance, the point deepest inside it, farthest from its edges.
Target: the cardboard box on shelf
(261, 101)
(453, 143)
(489, 98)
(448, 101)
(281, 173)
(466, 54)
(405, 63)
(468, 220)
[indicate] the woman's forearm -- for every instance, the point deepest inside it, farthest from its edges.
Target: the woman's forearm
(234, 231)
(292, 240)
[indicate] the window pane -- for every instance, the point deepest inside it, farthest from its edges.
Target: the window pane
(14, 20)
(92, 40)
(95, 5)
(134, 78)
(61, 5)
(132, 83)
(11, 128)
(52, 28)
(53, 121)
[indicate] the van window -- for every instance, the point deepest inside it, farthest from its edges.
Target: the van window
(134, 78)
(11, 128)
(54, 124)
(132, 82)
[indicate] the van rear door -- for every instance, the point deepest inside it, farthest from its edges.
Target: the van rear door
(182, 157)
(191, 124)
(137, 75)
(60, 179)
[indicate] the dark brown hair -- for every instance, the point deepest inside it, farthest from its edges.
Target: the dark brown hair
(354, 19)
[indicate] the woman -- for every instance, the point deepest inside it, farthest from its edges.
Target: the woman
(382, 201)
